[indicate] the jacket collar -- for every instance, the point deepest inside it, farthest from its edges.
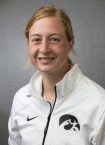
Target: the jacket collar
(64, 87)
(69, 82)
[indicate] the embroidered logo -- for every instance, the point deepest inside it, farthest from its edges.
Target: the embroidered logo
(29, 119)
(69, 122)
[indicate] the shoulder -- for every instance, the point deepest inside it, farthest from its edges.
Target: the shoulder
(28, 89)
(22, 96)
(21, 99)
(92, 85)
(24, 90)
(85, 86)
(93, 89)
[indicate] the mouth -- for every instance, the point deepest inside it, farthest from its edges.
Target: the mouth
(46, 60)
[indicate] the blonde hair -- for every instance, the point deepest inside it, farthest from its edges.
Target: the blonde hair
(51, 11)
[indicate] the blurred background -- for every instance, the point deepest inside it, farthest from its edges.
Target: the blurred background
(88, 21)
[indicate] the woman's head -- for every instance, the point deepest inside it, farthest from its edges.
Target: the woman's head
(50, 39)
(51, 11)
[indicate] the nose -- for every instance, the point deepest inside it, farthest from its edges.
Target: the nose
(45, 47)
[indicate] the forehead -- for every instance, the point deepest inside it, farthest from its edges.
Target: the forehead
(47, 24)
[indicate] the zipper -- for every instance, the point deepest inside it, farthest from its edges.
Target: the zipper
(49, 117)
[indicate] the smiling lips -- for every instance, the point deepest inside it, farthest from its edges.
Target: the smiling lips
(46, 60)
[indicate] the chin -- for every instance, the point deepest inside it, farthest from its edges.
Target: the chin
(46, 71)
(45, 68)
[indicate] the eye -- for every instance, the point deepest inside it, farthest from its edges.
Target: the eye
(36, 40)
(54, 40)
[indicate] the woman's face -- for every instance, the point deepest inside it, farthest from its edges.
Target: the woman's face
(48, 45)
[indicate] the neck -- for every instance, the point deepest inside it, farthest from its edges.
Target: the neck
(55, 77)
(50, 80)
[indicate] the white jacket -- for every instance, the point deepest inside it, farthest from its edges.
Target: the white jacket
(77, 117)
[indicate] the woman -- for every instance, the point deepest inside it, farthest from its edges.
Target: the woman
(59, 106)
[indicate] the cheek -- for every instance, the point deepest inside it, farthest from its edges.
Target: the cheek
(32, 50)
(62, 50)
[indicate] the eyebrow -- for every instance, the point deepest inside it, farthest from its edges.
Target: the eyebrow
(39, 35)
(32, 35)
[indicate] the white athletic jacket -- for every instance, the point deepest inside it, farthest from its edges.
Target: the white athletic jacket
(76, 118)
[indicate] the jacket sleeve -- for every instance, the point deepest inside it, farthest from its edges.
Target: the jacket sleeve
(99, 134)
(14, 135)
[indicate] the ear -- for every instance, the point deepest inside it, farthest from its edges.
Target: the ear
(71, 44)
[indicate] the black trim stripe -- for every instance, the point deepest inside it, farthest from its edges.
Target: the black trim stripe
(49, 117)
